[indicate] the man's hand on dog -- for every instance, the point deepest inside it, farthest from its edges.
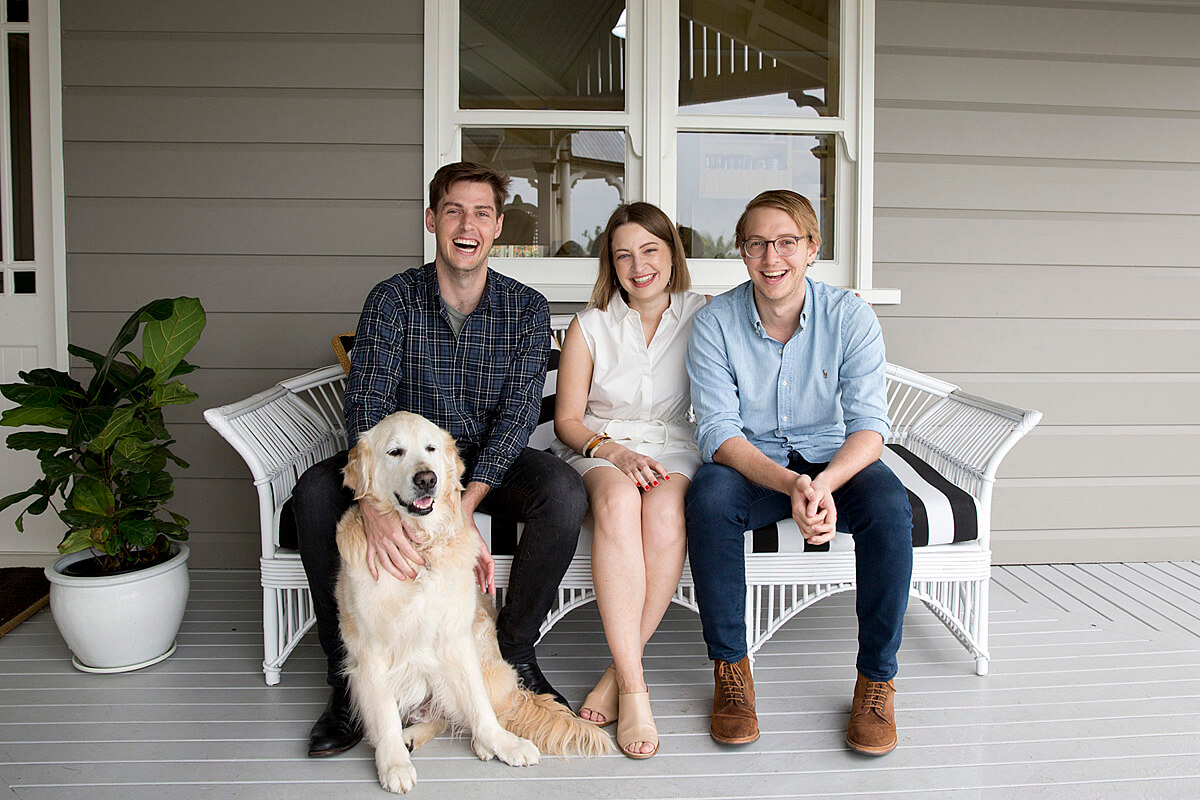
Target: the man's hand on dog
(390, 544)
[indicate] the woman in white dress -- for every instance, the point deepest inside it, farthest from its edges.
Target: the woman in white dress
(622, 420)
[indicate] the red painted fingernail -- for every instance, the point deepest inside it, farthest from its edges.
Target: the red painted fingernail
(656, 483)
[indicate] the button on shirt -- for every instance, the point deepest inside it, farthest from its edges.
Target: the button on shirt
(807, 394)
(484, 385)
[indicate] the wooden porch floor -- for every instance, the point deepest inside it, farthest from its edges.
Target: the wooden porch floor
(1094, 693)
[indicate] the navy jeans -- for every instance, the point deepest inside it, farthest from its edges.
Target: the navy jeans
(540, 490)
(722, 505)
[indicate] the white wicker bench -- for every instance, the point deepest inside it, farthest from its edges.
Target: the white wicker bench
(298, 422)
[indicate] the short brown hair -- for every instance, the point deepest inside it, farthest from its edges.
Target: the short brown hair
(793, 204)
(451, 174)
(657, 224)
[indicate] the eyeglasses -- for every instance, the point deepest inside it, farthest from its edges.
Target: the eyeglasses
(784, 245)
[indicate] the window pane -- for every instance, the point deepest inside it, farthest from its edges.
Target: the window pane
(542, 54)
(24, 281)
(720, 172)
(18, 10)
(565, 185)
(22, 152)
(776, 59)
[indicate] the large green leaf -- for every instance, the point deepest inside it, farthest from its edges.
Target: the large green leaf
(158, 485)
(183, 368)
(93, 497)
(84, 519)
(165, 342)
(76, 540)
(118, 425)
(35, 396)
(56, 467)
(36, 440)
(47, 417)
(17, 497)
(139, 532)
(50, 377)
(172, 394)
(88, 424)
(154, 310)
(137, 456)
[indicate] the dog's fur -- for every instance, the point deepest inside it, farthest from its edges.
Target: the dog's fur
(424, 651)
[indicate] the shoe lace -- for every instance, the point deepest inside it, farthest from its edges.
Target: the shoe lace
(733, 683)
(875, 696)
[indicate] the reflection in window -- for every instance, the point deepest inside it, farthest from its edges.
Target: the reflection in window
(22, 146)
(772, 59)
(542, 54)
(565, 184)
(720, 172)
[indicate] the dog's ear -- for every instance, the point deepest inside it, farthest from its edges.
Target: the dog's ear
(454, 466)
(359, 468)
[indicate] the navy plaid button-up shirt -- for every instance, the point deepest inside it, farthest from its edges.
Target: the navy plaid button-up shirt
(483, 386)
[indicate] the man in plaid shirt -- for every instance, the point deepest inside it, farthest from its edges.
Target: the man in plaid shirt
(465, 347)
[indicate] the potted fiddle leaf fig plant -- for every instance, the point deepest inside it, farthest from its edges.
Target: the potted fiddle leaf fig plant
(119, 591)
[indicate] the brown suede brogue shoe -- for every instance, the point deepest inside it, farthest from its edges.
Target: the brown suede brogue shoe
(873, 717)
(733, 717)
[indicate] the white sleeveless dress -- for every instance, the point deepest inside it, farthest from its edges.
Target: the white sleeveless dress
(640, 395)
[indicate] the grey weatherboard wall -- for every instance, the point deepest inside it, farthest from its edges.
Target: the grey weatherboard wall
(1037, 201)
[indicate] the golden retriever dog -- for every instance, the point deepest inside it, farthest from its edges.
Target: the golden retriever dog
(422, 654)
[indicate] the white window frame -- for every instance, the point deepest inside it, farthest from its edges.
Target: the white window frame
(651, 120)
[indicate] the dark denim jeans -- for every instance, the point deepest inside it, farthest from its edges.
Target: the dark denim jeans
(873, 506)
(540, 490)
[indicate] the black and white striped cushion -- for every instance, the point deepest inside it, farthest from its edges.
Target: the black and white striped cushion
(942, 514)
(543, 434)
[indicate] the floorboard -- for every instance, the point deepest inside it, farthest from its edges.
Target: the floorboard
(1094, 693)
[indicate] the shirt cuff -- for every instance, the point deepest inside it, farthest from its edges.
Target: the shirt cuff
(880, 426)
(712, 440)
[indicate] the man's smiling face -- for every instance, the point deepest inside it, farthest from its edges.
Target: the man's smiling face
(465, 224)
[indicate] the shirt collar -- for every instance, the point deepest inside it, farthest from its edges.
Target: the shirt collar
(434, 292)
(755, 320)
(621, 309)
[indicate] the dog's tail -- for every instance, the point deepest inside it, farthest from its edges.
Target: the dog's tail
(554, 729)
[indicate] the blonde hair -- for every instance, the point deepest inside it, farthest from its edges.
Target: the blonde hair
(793, 204)
(657, 224)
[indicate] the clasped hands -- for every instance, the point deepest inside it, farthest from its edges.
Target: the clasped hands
(391, 543)
(814, 510)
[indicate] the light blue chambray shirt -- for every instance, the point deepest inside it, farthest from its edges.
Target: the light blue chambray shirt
(808, 394)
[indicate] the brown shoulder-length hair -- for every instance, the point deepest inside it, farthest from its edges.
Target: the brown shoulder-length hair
(469, 171)
(657, 224)
(791, 203)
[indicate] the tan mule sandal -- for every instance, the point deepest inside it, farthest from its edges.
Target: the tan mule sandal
(636, 724)
(603, 698)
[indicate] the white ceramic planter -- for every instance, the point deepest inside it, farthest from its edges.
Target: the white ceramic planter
(119, 623)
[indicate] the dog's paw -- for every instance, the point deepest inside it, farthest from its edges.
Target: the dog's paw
(398, 776)
(421, 733)
(511, 749)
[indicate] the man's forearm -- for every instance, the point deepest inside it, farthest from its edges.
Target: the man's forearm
(859, 451)
(737, 453)
(473, 495)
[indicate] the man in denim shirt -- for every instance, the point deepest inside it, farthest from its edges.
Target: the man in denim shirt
(788, 385)
(465, 347)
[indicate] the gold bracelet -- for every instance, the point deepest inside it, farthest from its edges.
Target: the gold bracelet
(596, 442)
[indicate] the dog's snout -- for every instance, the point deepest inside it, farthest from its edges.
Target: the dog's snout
(425, 480)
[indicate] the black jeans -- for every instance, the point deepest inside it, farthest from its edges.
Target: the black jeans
(540, 490)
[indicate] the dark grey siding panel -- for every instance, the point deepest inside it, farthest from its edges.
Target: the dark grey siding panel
(263, 156)
(1037, 202)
